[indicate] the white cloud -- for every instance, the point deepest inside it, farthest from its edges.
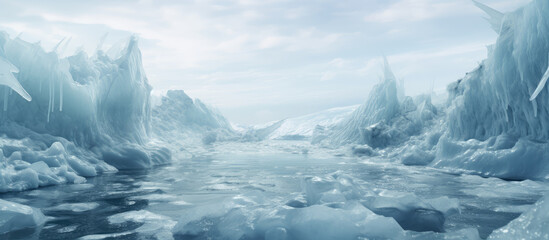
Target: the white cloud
(245, 54)
(417, 10)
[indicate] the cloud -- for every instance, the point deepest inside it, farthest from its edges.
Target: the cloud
(245, 54)
(417, 10)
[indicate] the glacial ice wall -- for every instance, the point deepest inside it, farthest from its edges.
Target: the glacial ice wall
(498, 117)
(72, 117)
(80, 98)
(495, 98)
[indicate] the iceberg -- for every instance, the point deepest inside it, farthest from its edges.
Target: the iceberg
(387, 118)
(182, 121)
(498, 117)
(87, 115)
(495, 121)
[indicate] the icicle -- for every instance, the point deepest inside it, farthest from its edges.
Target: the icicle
(541, 84)
(49, 101)
(52, 83)
(496, 17)
(60, 95)
(6, 94)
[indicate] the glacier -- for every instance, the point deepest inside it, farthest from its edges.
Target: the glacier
(497, 119)
(494, 122)
(87, 115)
(298, 128)
(472, 166)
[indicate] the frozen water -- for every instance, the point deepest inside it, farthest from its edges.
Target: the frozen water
(14, 216)
(532, 224)
(75, 207)
(281, 194)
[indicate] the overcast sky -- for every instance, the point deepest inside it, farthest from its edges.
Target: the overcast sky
(264, 60)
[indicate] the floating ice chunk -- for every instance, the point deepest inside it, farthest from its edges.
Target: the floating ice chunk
(463, 234)
(14, 216)
(105, 236)
(75, 207)
(411, 212)
(155, 225)
(415, 214)
(67, 229)
(532, 224)
(256, 217)
(351, 222)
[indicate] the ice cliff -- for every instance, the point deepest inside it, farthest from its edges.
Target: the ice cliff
(498, 114)
(72, 117)
(494, 123)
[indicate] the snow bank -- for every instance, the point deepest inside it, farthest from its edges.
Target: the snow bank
(14, 216)
(87, 115)
(532, 224)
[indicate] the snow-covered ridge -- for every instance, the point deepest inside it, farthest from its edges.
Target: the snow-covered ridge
(302, 127)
